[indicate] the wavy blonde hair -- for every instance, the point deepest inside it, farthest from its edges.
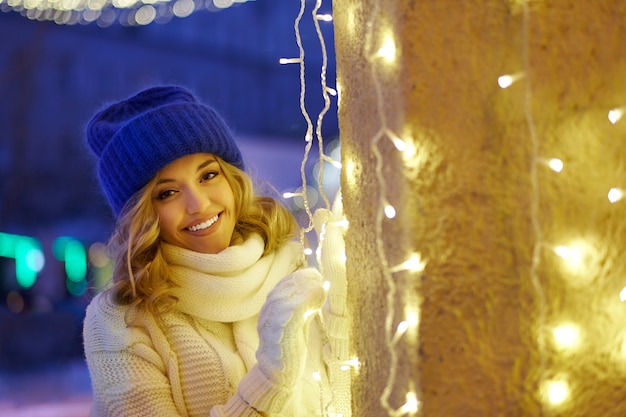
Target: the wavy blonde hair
(140, 272)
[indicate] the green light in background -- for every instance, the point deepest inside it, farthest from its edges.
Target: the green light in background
(73, 254)
(28, 255)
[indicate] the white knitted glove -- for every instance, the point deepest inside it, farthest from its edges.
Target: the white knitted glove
(283, 325)
(330, 228)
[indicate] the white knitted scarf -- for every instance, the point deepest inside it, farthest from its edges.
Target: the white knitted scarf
(230, 286)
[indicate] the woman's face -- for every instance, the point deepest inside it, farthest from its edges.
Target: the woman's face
(195, 204)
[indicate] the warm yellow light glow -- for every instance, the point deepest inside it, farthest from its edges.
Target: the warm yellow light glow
(615, 115)
(309, 313)
(622, 295)
(317, 376)
(411, 406)
(284, 61)
(567, 336)
(615, 194)
(390, 211)
(351, 364)
(412, 318)
(350, 170)
(308, 251)
(413, 264)
(573, 255)
(326, 285)
(505, 81)
(388, 49)
(288, 195)
(555, 165)
(324, 17)
(145, 15)
(397, 141)
(402, 327)
(556, 391)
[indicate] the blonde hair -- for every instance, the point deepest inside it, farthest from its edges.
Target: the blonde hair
(140, 273)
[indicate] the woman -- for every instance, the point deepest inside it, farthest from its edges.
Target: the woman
(211, 311)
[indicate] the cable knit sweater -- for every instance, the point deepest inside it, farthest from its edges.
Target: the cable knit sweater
(190, 361)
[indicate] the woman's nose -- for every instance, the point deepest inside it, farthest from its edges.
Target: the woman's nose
(196, 201)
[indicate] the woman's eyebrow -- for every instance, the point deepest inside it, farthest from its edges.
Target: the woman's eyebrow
(200, 168)
(206, 163)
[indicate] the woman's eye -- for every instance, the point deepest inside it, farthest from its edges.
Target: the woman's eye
(208, 175)
(165, 194)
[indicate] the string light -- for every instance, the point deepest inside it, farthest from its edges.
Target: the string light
(615, 194)
(566, 336)
(615, 114)
(534, 198)
(556, 392)
(555, 164)
(505, 81)
(622, 295)
(309, 136)
(107, 12)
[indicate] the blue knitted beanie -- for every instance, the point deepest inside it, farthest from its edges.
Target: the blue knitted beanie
(135, 138)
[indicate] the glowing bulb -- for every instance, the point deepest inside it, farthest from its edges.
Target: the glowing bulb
(615, 115)
(308, 251)
(411, 405)
(557, 392)
(566, 336)
(403, 326)
(326, 285)
(317, 376)
(562, 251)
(413, 264)
(505, 81)
(412, 318)
(324, 17)
(622, 295)
(555, 165)
(288, 195)
(284, 61)
(390, 211)
(350, 364)
(573, 255)
(615, 194)
(309, 313)
(331, 91)
(388, 50)
(397, 142)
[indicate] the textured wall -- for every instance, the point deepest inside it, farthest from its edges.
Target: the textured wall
(508, 324)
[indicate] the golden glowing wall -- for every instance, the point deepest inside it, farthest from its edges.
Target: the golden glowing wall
(514, 306)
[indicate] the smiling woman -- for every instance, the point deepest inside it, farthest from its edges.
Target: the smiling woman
(210, 308)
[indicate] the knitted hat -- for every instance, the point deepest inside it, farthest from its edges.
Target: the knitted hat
(137, 137)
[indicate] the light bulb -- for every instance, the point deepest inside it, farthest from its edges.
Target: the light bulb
(615, 115)
(557, 392)
(566, 336)
(622, 295)
(555, 165)
(615, 194)
(390, 211)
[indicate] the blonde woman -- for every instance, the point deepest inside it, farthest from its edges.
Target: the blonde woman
(209, 311)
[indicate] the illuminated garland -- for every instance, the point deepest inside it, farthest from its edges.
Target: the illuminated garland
(107, 12)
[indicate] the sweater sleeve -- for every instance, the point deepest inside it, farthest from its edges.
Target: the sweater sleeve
(128, 377)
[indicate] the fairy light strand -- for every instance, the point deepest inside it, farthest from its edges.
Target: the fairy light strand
(412, 405)
(326, 91)
(535, 197)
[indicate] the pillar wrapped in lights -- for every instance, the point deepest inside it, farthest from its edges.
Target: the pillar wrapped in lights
(483, 156)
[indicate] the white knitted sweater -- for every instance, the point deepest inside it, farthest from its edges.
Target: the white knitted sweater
(190, 361)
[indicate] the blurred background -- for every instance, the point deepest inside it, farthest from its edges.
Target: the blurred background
(56, 70)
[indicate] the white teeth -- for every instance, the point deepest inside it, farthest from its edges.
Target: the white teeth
(204, 225)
